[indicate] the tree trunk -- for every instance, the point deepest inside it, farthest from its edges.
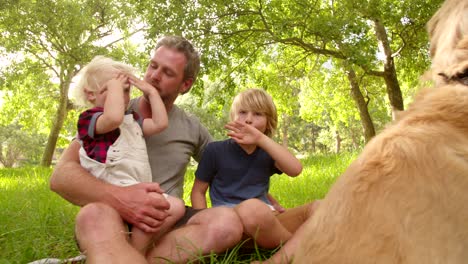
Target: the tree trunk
(389, 74)
(366, 120)
(314, 139)
(338, 142)
(284, 129)
(59, 119)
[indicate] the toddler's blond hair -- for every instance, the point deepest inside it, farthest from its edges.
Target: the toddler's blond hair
(95, 74)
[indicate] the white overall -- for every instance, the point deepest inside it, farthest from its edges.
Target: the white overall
(127, 159)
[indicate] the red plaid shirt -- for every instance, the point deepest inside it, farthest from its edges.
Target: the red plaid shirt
(96, 145)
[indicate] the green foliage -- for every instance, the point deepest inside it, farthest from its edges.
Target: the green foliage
(280, 46)
(53, 49)
(294, 49)
(29, 101)
(18, 147)
(213, 117)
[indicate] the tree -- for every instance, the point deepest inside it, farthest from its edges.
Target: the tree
(17, 145)
(60, 44)
(367, 37)
(347, 61)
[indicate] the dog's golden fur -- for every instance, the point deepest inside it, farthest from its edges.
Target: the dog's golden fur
(448, 33)
(405, 198)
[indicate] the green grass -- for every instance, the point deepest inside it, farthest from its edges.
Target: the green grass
(37, 223)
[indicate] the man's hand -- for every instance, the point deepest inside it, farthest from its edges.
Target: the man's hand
(136, 206)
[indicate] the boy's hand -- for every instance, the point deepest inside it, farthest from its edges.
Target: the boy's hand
(275, 203)
(279, 208)
(244, 133)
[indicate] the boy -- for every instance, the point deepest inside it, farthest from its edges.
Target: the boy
(238, 170)
(113, 148)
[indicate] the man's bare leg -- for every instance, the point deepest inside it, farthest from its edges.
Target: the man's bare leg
(210, 230)
(140, 240)
(102, 236)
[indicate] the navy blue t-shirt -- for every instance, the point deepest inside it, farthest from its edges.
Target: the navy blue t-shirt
(233, 175)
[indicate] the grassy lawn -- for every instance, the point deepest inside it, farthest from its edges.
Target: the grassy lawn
(37, 223)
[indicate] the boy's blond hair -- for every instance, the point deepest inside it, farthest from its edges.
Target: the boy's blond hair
(95, 74)
(256, 100)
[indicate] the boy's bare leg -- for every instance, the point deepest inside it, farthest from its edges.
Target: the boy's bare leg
(102, 236)
(210, 230)
(261, 224)
(175, 212)
(286, 253)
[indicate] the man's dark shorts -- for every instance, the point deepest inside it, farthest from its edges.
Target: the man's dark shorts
(189, 212)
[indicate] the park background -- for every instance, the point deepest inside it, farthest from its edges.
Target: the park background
(338, 71)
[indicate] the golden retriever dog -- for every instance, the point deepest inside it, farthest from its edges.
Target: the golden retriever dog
(405, 198)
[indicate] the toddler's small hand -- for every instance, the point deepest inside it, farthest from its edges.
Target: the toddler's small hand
(119, 81)
(142, 85)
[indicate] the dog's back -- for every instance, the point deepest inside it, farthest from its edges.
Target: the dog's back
(405, 199)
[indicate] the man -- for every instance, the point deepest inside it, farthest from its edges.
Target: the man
(100, 225)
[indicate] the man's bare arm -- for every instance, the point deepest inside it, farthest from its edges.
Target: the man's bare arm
(75, 184)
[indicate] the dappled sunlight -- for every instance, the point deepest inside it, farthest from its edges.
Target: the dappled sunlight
(23, 179)
(318, 175)
(25, 183)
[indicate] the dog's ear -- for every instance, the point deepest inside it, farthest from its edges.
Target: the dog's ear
(457, 72)
(444, 76)
(461, 77)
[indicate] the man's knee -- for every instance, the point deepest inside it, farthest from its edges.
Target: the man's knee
(253, 213)
(224, 229)
(250, 207)
(90, 214)
(227, 222)
(95, 218)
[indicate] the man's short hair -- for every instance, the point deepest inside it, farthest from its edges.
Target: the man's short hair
(183, 45)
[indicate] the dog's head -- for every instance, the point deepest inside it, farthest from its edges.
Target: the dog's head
(448, 33)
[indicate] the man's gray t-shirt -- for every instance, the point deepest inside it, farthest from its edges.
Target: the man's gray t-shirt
(169, 151)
